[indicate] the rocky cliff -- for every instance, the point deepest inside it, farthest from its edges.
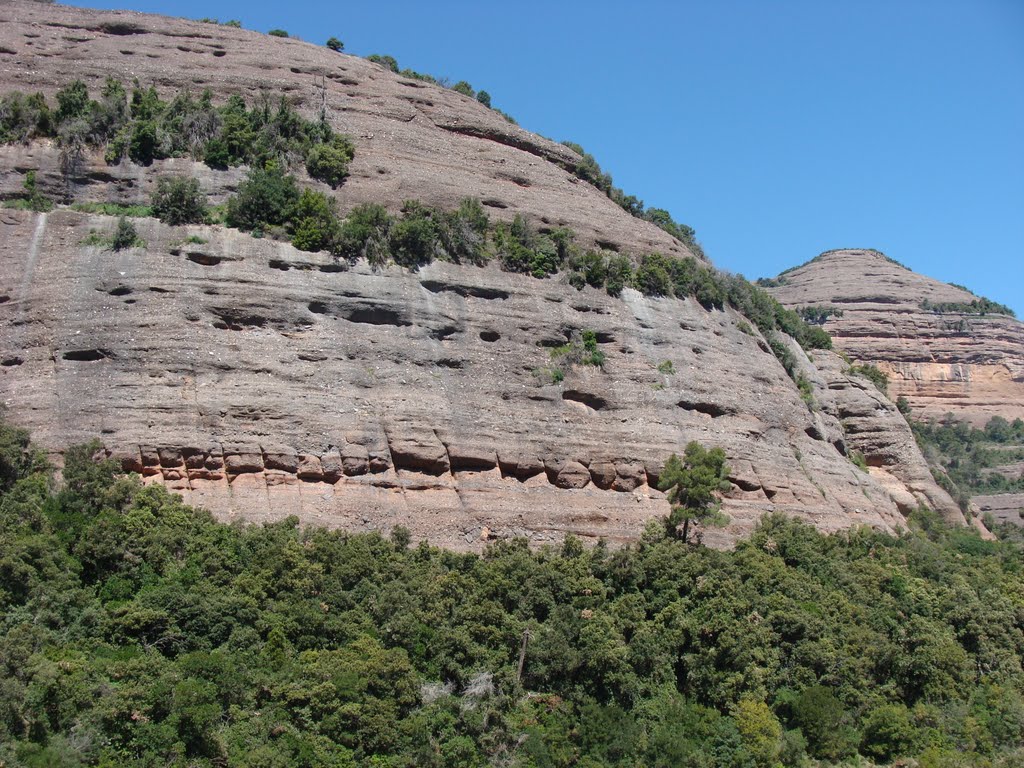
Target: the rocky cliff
(262, 381)
(943, 362)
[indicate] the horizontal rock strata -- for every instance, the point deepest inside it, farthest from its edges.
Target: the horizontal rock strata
(261, 381)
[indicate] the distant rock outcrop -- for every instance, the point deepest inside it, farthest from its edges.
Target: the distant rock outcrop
(969, 365)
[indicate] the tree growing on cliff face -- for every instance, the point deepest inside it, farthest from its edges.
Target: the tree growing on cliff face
(178, 200)
(691, 484)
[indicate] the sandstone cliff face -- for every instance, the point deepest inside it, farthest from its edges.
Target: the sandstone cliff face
(968, 365)
(260, 381)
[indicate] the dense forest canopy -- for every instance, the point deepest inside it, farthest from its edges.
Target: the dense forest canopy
(135, 630)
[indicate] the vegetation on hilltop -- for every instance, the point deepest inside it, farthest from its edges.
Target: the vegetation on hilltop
(137, 631)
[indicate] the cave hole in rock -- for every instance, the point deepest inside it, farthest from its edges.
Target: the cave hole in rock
(121, 290)
(121, 28)
(4, 299)
(608, 245)
(205, 259)
(492, 203)
(85, 355)
(376, 316)
(284, 266)
(474, 291)
(155, 289)
(711, 409)
(445, 332)
(451, 362)
(336, 266)
(218, 54)
(489, 336)
(604, 337)
(588, 399)
(7, 362)
(318, 307)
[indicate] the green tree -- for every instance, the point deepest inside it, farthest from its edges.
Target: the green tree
(335, 44)
(691, 485)
(178, 200)
(315, 224)
(266, 198)
(329, 161)
(125, 235)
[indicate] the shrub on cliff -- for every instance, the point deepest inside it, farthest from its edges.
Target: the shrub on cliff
(364, 234)
(125, 236)
(329, 161)
(413, 239)
(266, 198)
(315, 224)
(178, 200)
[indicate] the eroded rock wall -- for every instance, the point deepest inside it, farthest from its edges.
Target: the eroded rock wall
(262, 381)
(969, 365)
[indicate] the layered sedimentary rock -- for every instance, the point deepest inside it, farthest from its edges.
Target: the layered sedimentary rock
(967, 365)
(943, 362)
(261, 381)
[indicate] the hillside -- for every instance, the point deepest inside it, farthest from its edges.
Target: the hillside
(941, 359)
(947, 352)
(261, 381)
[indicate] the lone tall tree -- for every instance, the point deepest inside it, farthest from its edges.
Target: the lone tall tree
(691, 484)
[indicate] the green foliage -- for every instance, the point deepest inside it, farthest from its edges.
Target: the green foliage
(464, 88)
(72, 102)
(818, 315)
(315, 225)
(277, 33)
(266, 198)
(966, 457)
(979, 306)
(24, 118)
(691, 484)
(137, 631)
(484, 98)
(521, 249)
(859, 461)
(145, 128)
(328, 161)
(113, 209)
(806, 390)
(125, 236)
(335, 44)
(666, 367)
(873, 374)
(582, 349)
(34, 199)
(178, 200)
(364, 234)
(388, 62)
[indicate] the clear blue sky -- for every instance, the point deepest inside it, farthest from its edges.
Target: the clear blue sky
(776, 129)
